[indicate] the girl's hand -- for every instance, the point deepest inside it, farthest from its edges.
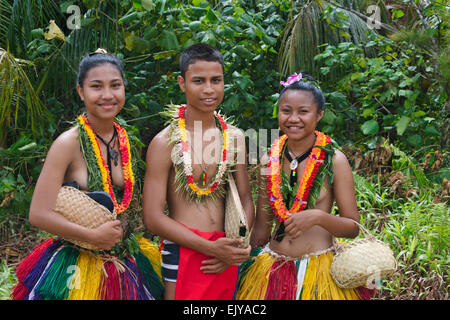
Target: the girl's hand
(300, 222)
(106, 235)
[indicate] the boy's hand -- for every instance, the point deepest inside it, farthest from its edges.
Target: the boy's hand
(214, 265)
(226, 250)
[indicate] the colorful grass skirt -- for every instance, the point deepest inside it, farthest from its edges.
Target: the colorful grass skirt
(271, 276)
(57, 270)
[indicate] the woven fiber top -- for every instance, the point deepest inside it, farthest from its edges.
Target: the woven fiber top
(79, 208)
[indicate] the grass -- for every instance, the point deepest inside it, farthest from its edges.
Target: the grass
(417, 230)
(7, 280)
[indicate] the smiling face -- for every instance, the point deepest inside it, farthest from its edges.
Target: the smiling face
(298, 114)
(203, 85)
(103, 91)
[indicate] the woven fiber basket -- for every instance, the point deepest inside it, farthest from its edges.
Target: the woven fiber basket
(236, 225)
(78, 208)
(362, 261)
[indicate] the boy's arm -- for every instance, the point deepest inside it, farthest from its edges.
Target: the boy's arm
(344, 193)
(240, 175)
(159, 163)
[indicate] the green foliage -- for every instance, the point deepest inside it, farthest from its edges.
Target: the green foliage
(7, 280)
(16, 94)
(417, 230)
(392, 95)
(314, 23)
(246, 33)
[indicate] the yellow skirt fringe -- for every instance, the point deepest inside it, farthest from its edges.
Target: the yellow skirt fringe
(317, 283)
(87, 274)
(151, 251)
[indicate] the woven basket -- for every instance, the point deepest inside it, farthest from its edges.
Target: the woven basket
(78, 208)
(235, 217)
(362, 261)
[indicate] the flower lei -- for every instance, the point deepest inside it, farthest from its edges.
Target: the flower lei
(124, 146)
(187, 159)
(315, 160)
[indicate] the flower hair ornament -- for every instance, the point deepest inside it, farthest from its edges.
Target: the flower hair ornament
(290, 80)
(293, 78)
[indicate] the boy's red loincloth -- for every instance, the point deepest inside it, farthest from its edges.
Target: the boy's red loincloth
(194, 284)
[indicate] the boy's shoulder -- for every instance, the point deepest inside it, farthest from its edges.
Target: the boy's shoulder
(235, 131)
(161, 140)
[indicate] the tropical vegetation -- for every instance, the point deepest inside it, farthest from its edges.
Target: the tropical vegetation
(384, 66)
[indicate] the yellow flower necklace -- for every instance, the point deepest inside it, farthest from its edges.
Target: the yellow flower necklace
(124, 146)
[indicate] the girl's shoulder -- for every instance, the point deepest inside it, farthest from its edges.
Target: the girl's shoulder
(68, 140)
(339, 157)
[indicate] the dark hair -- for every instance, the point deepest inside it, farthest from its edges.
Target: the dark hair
(199, 51)
(95, 59)
(306, 85)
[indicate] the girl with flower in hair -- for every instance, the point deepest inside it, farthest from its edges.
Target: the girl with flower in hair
(304, 174)
(97, 155)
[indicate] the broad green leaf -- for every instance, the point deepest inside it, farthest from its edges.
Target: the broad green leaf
(368, 112)
(324, 70)
(370, 127)
(356, 76)
(402, 124)
(127, 18)
(169, 40)
(432, 130)
(415, 140)
(148, 5)
(329, 117)
(211, 16)
(195, 25)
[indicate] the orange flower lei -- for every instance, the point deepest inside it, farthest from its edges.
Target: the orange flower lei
(187, 156)
(315, 160)
(124, 146)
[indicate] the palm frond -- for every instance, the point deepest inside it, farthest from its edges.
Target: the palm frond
(17, 95)
(308, 30)
(78, 42)
(5, 21)
(24, 17)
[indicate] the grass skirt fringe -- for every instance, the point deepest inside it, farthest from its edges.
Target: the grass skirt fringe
(275, 278)
(57, 270)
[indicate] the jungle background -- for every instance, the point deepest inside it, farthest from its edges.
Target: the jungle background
(384, 67)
